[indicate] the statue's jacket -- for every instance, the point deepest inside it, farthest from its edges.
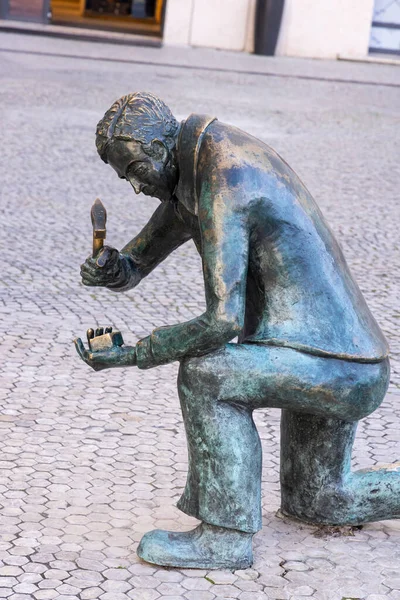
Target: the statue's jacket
(273, 272)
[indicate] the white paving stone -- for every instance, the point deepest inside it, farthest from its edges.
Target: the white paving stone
(90, 461)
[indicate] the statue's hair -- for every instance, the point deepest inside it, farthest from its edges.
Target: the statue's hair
(141, 117)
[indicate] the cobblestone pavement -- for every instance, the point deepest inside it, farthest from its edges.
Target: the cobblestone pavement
(89, 462)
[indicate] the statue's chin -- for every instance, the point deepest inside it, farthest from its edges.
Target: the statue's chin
(164, 197)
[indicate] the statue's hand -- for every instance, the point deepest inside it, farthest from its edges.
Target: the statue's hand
(102, 270)
(116, 356)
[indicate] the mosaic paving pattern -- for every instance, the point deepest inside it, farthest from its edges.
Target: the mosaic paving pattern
(89, 462)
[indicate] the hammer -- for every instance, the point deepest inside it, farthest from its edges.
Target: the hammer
(109, 339)
(99, 217)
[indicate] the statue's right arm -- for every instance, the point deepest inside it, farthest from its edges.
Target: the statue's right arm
(164, 232)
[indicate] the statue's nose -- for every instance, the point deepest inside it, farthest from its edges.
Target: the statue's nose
(137, 187)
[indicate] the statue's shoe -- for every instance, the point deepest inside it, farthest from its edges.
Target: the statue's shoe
(206, 547)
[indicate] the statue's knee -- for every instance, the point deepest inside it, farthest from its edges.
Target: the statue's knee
(328, 505)
(190, 375)
(357, 408)
(364, 392)
(196, 379)
(368, 395)
(366, 407)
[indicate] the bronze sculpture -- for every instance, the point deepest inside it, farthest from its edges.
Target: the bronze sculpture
(275, 278)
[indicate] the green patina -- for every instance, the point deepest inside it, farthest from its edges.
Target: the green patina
(274, 277)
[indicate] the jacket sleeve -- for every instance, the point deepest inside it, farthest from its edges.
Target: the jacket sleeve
(225, 259)
(164, 232)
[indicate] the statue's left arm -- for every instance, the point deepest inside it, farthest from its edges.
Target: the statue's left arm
(225, 244)
(163, 234)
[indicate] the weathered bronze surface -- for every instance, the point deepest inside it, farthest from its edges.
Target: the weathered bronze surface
(99, 217)
(274, 277)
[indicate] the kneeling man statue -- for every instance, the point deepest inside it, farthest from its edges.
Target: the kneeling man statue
(275, 278)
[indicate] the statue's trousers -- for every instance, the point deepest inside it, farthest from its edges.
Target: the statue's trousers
(218, 393)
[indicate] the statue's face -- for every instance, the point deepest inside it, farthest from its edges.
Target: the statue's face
(153, 174)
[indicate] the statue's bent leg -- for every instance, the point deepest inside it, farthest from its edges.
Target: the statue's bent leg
(218, 392)
(224, 478)
(317, 484)
(223, 487)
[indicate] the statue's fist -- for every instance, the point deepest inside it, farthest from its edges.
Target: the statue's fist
(102, 270)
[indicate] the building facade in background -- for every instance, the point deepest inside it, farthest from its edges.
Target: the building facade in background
(131, 16)
(307, 28)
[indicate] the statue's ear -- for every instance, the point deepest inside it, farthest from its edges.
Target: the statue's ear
(159, 151)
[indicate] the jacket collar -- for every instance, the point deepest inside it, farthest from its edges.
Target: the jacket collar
(189, 142)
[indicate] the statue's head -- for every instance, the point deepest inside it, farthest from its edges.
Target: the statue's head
(137, 136)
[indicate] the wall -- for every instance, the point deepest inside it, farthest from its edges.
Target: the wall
(178, 22)
(325, 28)
(218, 24)
(310, 28)
(208, 23)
